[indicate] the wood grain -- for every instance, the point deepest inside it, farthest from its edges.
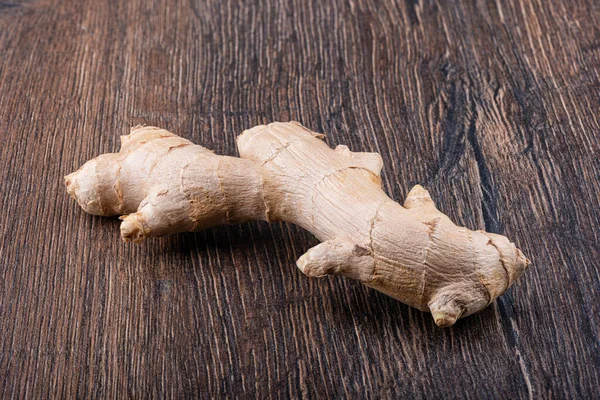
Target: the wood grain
(492, 105)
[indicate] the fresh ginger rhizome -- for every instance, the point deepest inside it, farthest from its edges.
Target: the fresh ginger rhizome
(162, 184)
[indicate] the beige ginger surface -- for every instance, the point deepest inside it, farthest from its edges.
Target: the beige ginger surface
(164, 184)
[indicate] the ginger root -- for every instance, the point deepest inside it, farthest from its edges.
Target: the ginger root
(164, 184)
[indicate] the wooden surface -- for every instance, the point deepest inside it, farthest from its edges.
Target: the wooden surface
(492, 105)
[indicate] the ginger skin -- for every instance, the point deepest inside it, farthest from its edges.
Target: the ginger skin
(164, 184)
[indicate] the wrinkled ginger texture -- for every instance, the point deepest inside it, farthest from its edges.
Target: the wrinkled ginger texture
(163, 184)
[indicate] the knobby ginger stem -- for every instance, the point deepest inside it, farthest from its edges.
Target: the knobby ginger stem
(164, 184)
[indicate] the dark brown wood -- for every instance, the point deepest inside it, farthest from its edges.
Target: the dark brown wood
(492, 105)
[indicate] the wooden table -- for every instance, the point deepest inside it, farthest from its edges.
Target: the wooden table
(492, 105)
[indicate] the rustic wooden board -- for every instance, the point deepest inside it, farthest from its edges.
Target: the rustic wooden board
(493, 105)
